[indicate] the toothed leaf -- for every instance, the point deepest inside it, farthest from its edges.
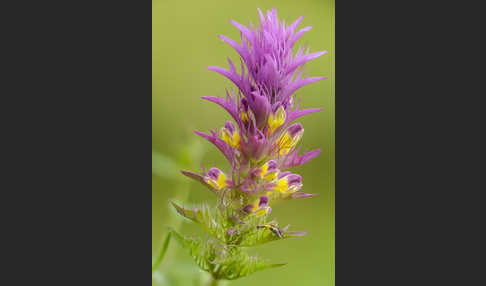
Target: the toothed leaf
(222, 261)
(213, 223)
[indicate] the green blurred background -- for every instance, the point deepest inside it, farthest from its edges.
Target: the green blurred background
(184, 42)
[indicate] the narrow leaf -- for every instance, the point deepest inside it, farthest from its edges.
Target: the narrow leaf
(165, 245)
(199, 178)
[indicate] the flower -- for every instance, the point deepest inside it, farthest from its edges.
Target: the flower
(269, 170)
(289, 139)
(277, 119)
(229, 135)
(261, 143)
(263, 106)
(267, 53)
(216, 179)
(288, 183)
(258, 207)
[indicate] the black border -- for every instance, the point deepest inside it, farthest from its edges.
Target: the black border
(409, 129)
(406, 132)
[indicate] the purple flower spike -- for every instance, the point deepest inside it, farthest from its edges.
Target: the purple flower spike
(260, 140)
(274, 71)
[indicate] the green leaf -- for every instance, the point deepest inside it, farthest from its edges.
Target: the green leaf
(195, 248)
(252, 234)
(222, 261)
(163, 250)
(261, 236)
(248, 234)
(239, 264)
(199, 178)
(213, 223)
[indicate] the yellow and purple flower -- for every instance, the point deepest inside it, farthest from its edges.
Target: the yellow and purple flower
(216, 179)
(261, 142)
(258, 207)
(288, 183)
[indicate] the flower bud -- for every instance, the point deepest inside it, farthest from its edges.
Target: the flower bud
(261, 108)
(244, 111)
(216, 179)
(290, 138)
(263, 211)
(258, 207)
(277, 119)
(230, 135)
(269, 171)
(288, 183)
